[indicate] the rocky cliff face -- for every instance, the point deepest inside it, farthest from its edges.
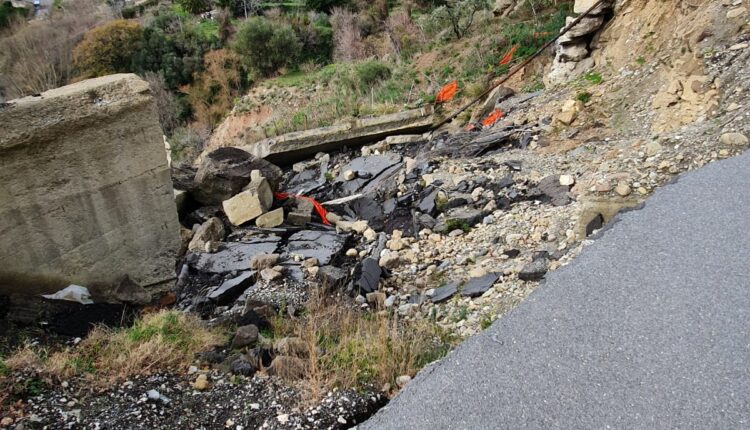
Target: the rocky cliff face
(86, 194)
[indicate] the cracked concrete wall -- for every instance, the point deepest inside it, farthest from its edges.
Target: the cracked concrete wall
(85, 190)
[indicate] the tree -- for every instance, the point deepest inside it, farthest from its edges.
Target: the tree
(108, 48)
(195, 6)
(458, 15)
(266, 46)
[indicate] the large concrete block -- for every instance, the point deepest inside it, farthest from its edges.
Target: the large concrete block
(85, 190)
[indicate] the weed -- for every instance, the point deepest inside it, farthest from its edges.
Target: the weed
(584, 96)
(640, 61)
(593, 78)
(349, 348)
(167, 340)
(454, 224)
(532, 87)
(485, 322)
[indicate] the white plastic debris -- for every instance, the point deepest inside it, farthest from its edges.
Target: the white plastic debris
(72, 293)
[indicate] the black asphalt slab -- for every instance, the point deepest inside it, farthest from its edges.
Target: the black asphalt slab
(649, 328)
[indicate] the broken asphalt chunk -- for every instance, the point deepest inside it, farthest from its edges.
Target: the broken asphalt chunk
(445, 292)
(232, 256)
(322, 245)
(475, 287)
(232, 288)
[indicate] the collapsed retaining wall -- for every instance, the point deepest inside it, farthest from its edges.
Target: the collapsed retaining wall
(85, 189)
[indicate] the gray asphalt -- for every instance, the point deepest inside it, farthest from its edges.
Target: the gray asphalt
(647, 329)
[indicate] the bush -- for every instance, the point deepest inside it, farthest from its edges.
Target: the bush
(8, 13)
(371, 72)
(108, 49)
(37, 56)
(348, 44)
(195, 6)
(456, 16)
(265, 46)
(325, 5)
(212, 94)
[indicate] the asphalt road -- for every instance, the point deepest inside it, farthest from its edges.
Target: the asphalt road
(649, 328)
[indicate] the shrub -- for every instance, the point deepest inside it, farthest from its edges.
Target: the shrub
(404, 36)
(348, 44)
(348, 348)
(194, 6)
(325, 5)
(8, 13)
(371, 72)
(211, 95)
(457, 16)
(108, 48)
(37, 56)
(266, 46)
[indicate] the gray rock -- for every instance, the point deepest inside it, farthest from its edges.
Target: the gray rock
(465, 215)
(224, 172)
(245, 335)
(322, 245)
(367, 276)
(232, 256)
(445, 292)
(475, 287)
(242, 367)
(232, 288)
(550, 186)
(210, 231)
(271, 219)
(534, 270)
(254, 200)
(368, 168)
(332, 276)
(300, 213)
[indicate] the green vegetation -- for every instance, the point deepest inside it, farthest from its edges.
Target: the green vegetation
(640, 61)
(162, 341)
(593, 78)
(265, 46)
(453, 224)
(584, 96)
(108, 48)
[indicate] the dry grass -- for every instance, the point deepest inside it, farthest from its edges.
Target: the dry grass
(162, 341)
(349, 348)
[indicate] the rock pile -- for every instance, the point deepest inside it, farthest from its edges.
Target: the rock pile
(573, 48)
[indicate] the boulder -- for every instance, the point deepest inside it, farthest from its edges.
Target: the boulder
(210, 231)
(251, 203)
(271, 219)
(224, 172)
(581, 6)
(263, 261)
(734, 139)
(244, 336)
(572, 52)
(587, 25)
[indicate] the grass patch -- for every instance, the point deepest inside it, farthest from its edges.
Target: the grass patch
(640, 61)
(584, 96)
(349, 348)
(454, 224)
(163, 341)
(593, 78)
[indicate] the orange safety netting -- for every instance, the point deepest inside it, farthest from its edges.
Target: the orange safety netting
(508, 57)
(447, 92)
(322, 212)
(493, 117)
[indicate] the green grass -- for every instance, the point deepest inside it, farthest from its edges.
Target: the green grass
(593, 78)
(640, 61)
(454, 224)
(584, 96)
